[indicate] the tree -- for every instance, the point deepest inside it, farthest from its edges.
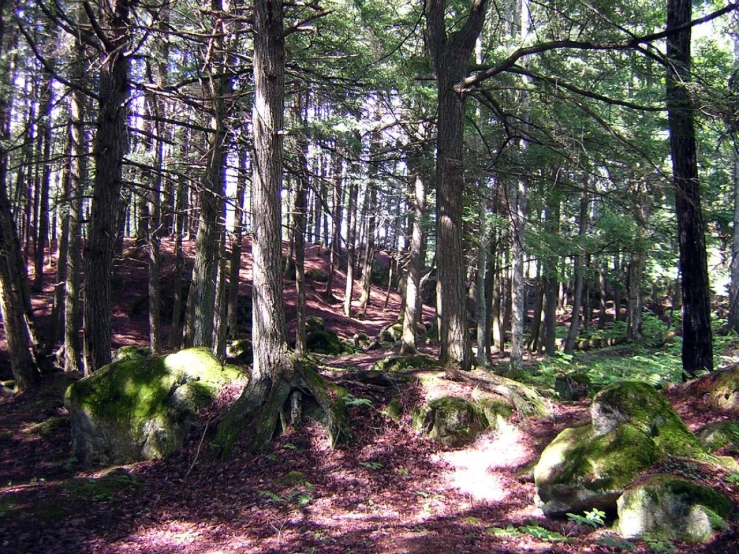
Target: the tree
(697, 352)
(451, 54)
(14, 292)
(276, 378)
(112, 33)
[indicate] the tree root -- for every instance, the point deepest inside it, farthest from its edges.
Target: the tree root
(283, 400)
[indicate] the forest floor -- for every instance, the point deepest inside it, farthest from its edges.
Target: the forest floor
(389, 491)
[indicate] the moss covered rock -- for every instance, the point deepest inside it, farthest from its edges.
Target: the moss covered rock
(317, 275)
(326, 342)
(450, 421)
(142, 409)
(724, 389)
(572, 386)
(401, 363)
(131, 352)
(671, 508)
(587, 467)
(719, 435)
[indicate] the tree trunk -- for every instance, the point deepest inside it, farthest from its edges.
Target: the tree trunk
(42, 228)
(412, 316)
(517, 199)
(697, 349)
(574, 330)
(300, 225)
(201, 300)
(351, 246)
(336, 230)
(550, 281)
(733, 315)
(275, 379)
(451, 58)
(111, 139)
(238, 231)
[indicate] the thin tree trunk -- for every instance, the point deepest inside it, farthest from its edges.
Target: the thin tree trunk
(517, 199)
(574, 330)
(351, 246)
(336, 231)
(412, 314)
(238, 230)
(300, 226)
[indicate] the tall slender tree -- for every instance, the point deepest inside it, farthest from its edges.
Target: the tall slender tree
(697, 350)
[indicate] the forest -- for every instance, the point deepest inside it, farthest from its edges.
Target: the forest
(350, 276)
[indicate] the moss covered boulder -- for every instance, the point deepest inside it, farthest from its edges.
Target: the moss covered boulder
(142, 409)
(326, 342)
(450, 421)
(720, 435)
(671, 508)
(402, 363)
(317, 275)
(587, 467)
(724, 388)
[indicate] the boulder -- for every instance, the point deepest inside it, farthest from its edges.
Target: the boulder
(725, 388)
(720, 435)
(672, 508)
(316, 275)
(633, 426)
(142, 409)
(401, 363)
(450, 421)
(572, 386)
(326, 342)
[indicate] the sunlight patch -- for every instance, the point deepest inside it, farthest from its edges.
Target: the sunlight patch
(471, 468)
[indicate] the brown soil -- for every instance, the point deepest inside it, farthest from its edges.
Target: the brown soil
(390, 491)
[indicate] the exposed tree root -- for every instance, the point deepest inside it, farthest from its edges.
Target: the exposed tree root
(267, 403)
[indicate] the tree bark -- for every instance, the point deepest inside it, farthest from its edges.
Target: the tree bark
(451, 55)
(697, 350)
(201, 300)
(578, 270)
(111, 140)
(412, 314)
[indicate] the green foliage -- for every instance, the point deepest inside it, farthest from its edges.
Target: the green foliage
(350, 400)
(371, 465)
(660, 545)
(541, 533)
(616, 542)
(594, 518)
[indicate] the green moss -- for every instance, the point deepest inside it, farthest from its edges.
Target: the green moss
(131, 352)
(240, 351)
(642, 406)
(317, 275)
(672, 508)
(292, 479)
(103, 488)
(450, 421)
(394, 409)
(327, 342)
(48, 427)
(140, 404)
(496, 411)
(402, 363)
(720, 434)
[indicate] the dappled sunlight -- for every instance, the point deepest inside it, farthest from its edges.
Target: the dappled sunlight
(471, 468)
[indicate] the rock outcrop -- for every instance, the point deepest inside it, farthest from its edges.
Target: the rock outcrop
(633, 427)
(142, 409)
